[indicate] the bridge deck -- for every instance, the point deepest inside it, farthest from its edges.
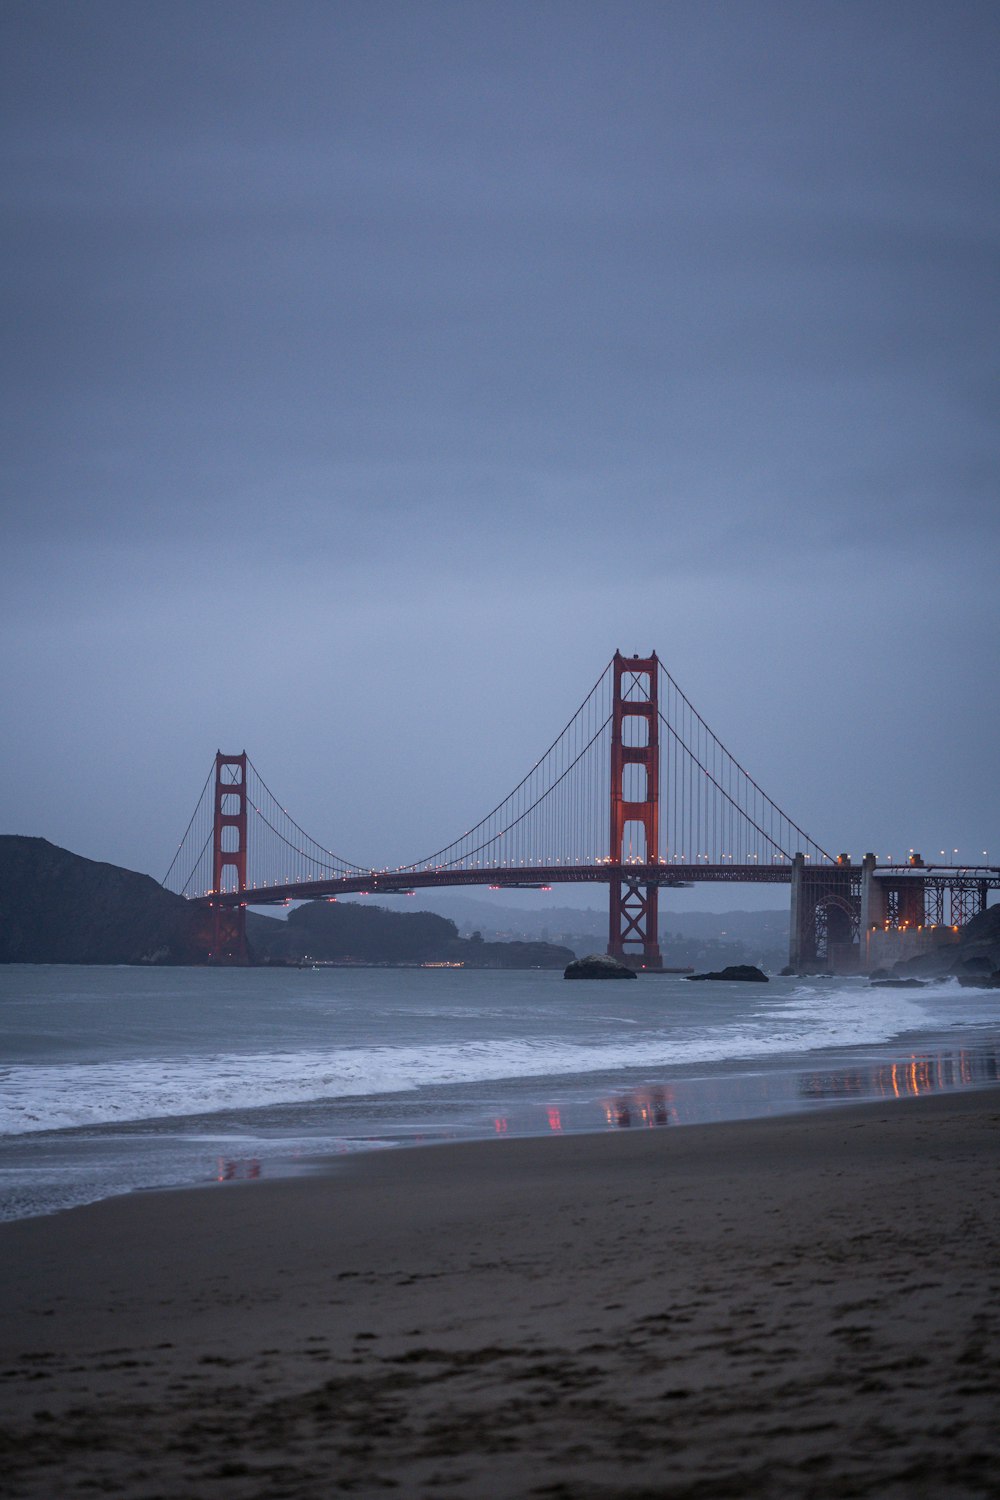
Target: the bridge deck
(533, 877)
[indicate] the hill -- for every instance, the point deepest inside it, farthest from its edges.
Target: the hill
(347, 931)
(59, 908)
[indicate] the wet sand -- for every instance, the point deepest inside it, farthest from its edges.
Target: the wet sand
(803, 1306)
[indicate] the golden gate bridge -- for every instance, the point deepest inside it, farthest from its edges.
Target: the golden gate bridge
(636, 793)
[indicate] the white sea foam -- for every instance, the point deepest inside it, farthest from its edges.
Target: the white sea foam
(92, 1093)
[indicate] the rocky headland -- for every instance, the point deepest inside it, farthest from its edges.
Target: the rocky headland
(59, 908)
(976, 956)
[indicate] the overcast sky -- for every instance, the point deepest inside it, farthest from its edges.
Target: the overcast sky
(374, 370)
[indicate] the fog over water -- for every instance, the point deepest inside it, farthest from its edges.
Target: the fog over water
(374, 371)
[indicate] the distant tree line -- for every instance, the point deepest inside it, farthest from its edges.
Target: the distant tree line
(345, 931)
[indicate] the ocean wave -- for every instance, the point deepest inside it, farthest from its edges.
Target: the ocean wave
(78, 1094)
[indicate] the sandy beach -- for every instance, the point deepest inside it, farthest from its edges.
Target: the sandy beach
(804, 1305)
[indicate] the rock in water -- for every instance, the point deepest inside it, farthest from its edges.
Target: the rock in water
(980, 965)
(897, 984)
(598, 966)
(736, 971)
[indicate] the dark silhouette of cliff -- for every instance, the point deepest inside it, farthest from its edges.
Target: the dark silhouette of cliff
(980, 939)
(977, 949)
(59, 908)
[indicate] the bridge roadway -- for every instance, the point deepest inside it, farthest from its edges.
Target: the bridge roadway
(534, 877)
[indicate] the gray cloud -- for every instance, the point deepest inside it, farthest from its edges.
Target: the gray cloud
(416, 340)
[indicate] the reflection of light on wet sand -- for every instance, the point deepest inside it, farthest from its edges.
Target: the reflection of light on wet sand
(246, 1168)
(650, 1107)
(694, 1101)
(698, 1100)
(925, 1073)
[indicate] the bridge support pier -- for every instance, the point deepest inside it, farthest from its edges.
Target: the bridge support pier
(798, 937)
(229, 858)
(874, 907)
(633, 936)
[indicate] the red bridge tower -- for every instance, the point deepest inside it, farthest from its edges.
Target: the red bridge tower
(229, 854)
(635, 809)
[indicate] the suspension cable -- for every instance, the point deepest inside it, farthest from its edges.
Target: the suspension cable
(201, 855)
(417, 864)
(742, 811)
(295, 848)
(347, 863)
(528, 810)
(790, 821)
(187, 830)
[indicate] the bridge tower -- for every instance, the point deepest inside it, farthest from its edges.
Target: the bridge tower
(635, 809)
(229, 858)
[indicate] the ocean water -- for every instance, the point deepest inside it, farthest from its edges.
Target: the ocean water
(115, 1079)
